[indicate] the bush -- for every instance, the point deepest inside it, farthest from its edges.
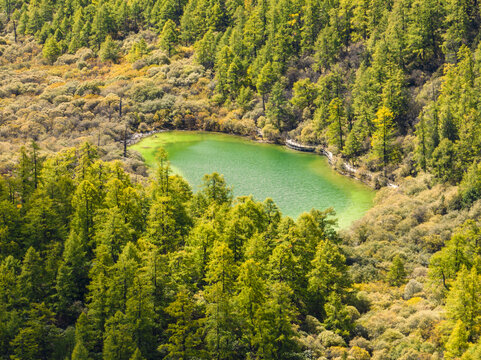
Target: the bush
(84, 54)
(271, 133)
(356, 353)
(412, 288)
(143, 91)
(66, 59)
(329, 338)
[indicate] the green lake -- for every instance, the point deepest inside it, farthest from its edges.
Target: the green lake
(296, 181)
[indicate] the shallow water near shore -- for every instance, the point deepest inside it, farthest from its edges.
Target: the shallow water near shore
(296, 181)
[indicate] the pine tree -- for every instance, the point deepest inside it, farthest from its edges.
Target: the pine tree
(250, 303)
(220, 278)
(265, 81)
(51, 50)
(463, 303)
(234, 76)
(80, 352)
(201, 240)
(102, 24)
(72, 278)
(338, 318)
(109, 50)
(42, 222)
(382, 138)
(223, 61)
(336, 123)
(328, 45)
(205, 49)
(278, 337)
(277, 107)
(186, 332)
(353, 146)
(169, 37)
(99, 291)
(36, 338)
(137, 355)
(397, 274)
(284, 267)
(328, 274)
(118, 341)
(215, 190)
(305, 93)
(30, 281)
(457, 342)
(443, 162)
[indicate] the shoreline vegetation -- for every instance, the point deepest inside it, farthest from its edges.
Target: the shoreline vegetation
(341, 166)
(296, 181)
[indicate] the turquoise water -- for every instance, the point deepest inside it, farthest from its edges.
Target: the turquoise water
(296, 181)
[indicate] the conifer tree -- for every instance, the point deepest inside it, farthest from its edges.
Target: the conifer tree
(169, 37)
(185, 338)
(109, 50)
(277, 107)
(30, 280)
(463, 304)
(80, 352)
(382, 138)
(457, 342)
(118, 341)
(338, 317)
(336, 121)
(397, 274)
(265, 81)
(205, 49)
(51, 51)
(72, 277)
(220, 278)
(328, 274)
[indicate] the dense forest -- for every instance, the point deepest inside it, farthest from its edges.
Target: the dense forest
(102, 259)
(97, 263)
(387, 84)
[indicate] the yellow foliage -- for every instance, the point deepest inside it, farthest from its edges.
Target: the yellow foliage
(56, 85)
(338, 351)
(414, 301)
(356, 353)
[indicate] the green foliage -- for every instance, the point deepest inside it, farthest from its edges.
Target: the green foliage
(37, 337)
(80, 352)
(169, 37)
(109, 50)
(397, 274)
(457, 342)
(186, 333)
(443, 161)
(382, 136)
(265, 81)
(51, 50)
(470, 186)
(78, 235)
(216, 277)
(138, 50)
(463, 304)
(336, 121)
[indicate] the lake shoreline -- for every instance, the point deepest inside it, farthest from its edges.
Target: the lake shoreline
(347, 170)
(296, 181)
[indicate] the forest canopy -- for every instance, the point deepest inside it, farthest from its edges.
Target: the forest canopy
(102, 259)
